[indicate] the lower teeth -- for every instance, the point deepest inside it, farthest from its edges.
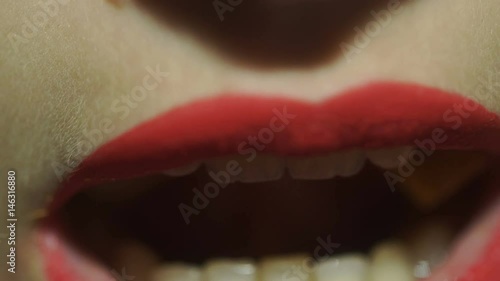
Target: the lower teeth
(388, 261)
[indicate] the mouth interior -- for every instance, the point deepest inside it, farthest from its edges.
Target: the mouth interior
(255, 220)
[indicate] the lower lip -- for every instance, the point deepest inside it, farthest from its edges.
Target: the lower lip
(373, 116)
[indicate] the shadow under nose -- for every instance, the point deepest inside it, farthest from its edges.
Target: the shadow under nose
(267, 33)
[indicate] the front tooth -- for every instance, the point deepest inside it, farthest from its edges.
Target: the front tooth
(259, 169)
(348, 163)
(176, 272)
(388, 158)
(311, 168)
(344, 164)
(343, 268)
(285, 268)
(390, 262)
(182, 171)
(229, 270)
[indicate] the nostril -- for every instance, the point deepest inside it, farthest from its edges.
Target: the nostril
(266, 33)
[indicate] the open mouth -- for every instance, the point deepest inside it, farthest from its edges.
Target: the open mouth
(395, 185)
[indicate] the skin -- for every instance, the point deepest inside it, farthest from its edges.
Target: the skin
(68, 77)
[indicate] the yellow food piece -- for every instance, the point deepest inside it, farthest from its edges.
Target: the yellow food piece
(441, 175)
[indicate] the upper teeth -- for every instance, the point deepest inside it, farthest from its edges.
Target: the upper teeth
(262, 168)
(326, 167)
(267, 168)
(388, 158)
(183, 171)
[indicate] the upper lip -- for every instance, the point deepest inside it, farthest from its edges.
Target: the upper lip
(371, 116)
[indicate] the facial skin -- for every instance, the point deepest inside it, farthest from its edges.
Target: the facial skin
(79, 70)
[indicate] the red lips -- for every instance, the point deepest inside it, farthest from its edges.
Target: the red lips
(372, 116)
